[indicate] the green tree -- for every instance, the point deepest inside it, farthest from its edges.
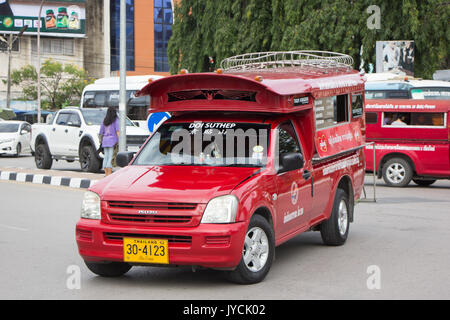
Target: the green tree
(61, 85)
(218, 29)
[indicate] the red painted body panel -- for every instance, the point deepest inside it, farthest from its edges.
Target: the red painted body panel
(182, 192)
(428, 148)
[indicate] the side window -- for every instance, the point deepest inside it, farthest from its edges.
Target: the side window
(100, 99)
(74, 119)
(414, 119)
(331, 111)
(371, 118)
(62, 119)
(113, 99)
(357, 105)
(26, 127)
(88, 99)
(287, 142)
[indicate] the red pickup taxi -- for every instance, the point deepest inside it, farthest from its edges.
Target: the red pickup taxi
(256, 153)
(411, 139)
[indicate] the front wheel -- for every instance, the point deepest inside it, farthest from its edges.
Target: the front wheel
(112, 269)
(335, 230)
(18, 150)
(258, 253)
(42, 157)
(89, 161)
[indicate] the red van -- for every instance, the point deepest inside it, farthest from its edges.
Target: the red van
(253, 156)
(412, 139)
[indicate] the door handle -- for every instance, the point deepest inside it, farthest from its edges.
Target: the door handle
(53, 129)
(66, 131)
(306, 175)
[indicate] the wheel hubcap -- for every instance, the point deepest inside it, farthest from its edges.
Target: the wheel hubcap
(396, 173)
(343, 218)
(256, 249)
(85, 160)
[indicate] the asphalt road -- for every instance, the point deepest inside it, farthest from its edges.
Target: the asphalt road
(26, 161)
(405, 235)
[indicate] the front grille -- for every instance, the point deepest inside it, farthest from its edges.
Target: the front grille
(141, 218)
(111, 236)
(152, 205)
(152, 214)
(136, 140)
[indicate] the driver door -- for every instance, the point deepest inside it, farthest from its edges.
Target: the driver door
(73, 132)
(294, 187)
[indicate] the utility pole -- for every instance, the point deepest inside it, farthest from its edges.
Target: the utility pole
(9, 43)
(39, 63)
(123, 77)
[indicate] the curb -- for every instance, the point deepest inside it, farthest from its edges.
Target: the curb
(78, 183)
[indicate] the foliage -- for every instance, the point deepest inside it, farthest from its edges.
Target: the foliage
(219, 29)
(61, 85)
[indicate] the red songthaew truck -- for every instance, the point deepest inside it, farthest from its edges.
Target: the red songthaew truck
(256, 153)
(412, 139)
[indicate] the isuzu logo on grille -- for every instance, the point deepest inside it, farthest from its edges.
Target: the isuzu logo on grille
(147, 212)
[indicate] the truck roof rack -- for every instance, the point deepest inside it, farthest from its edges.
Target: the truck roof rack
(319, 62)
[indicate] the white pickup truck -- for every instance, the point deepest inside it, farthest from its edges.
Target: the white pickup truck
(73, 135)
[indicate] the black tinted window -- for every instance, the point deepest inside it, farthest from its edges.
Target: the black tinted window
(371, 117)
(63, 118)
(287, 139)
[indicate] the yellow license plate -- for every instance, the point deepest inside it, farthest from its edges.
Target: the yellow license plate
(146, 250)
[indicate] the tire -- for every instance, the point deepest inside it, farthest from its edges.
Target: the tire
(18, 150)
(334, 231)
(89, 161)
(42, 157)
(257, 255)
(397, 172)
(424, 183)
(112, 269)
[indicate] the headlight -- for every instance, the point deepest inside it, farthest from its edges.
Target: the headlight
(90, 209)
(221, 210)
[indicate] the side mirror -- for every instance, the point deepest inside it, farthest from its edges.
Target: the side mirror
(291, 161)
(23, 132)
(124, 158)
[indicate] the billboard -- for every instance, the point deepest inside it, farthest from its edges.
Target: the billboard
(395, 56)
(58, 18)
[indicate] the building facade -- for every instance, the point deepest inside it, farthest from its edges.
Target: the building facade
(86, 33)
(149, 28)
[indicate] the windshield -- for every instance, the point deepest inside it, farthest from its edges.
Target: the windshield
(9, 127)
(96, 116)
(199, 143)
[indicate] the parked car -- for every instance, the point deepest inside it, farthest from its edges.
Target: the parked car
(72, 135)
(14, 137)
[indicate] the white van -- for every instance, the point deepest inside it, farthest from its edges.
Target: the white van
(105, 93)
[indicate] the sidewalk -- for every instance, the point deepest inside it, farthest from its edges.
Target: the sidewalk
(70, 179)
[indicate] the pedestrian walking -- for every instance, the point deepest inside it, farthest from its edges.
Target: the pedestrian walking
(109, 132)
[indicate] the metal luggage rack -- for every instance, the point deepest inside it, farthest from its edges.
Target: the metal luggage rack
(285, 61)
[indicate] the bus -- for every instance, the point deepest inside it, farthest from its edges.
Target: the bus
(105, 93)
(412, 140)
(408, 89)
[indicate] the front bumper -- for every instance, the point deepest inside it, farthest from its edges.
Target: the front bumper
(207, 245)
(8, 148)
